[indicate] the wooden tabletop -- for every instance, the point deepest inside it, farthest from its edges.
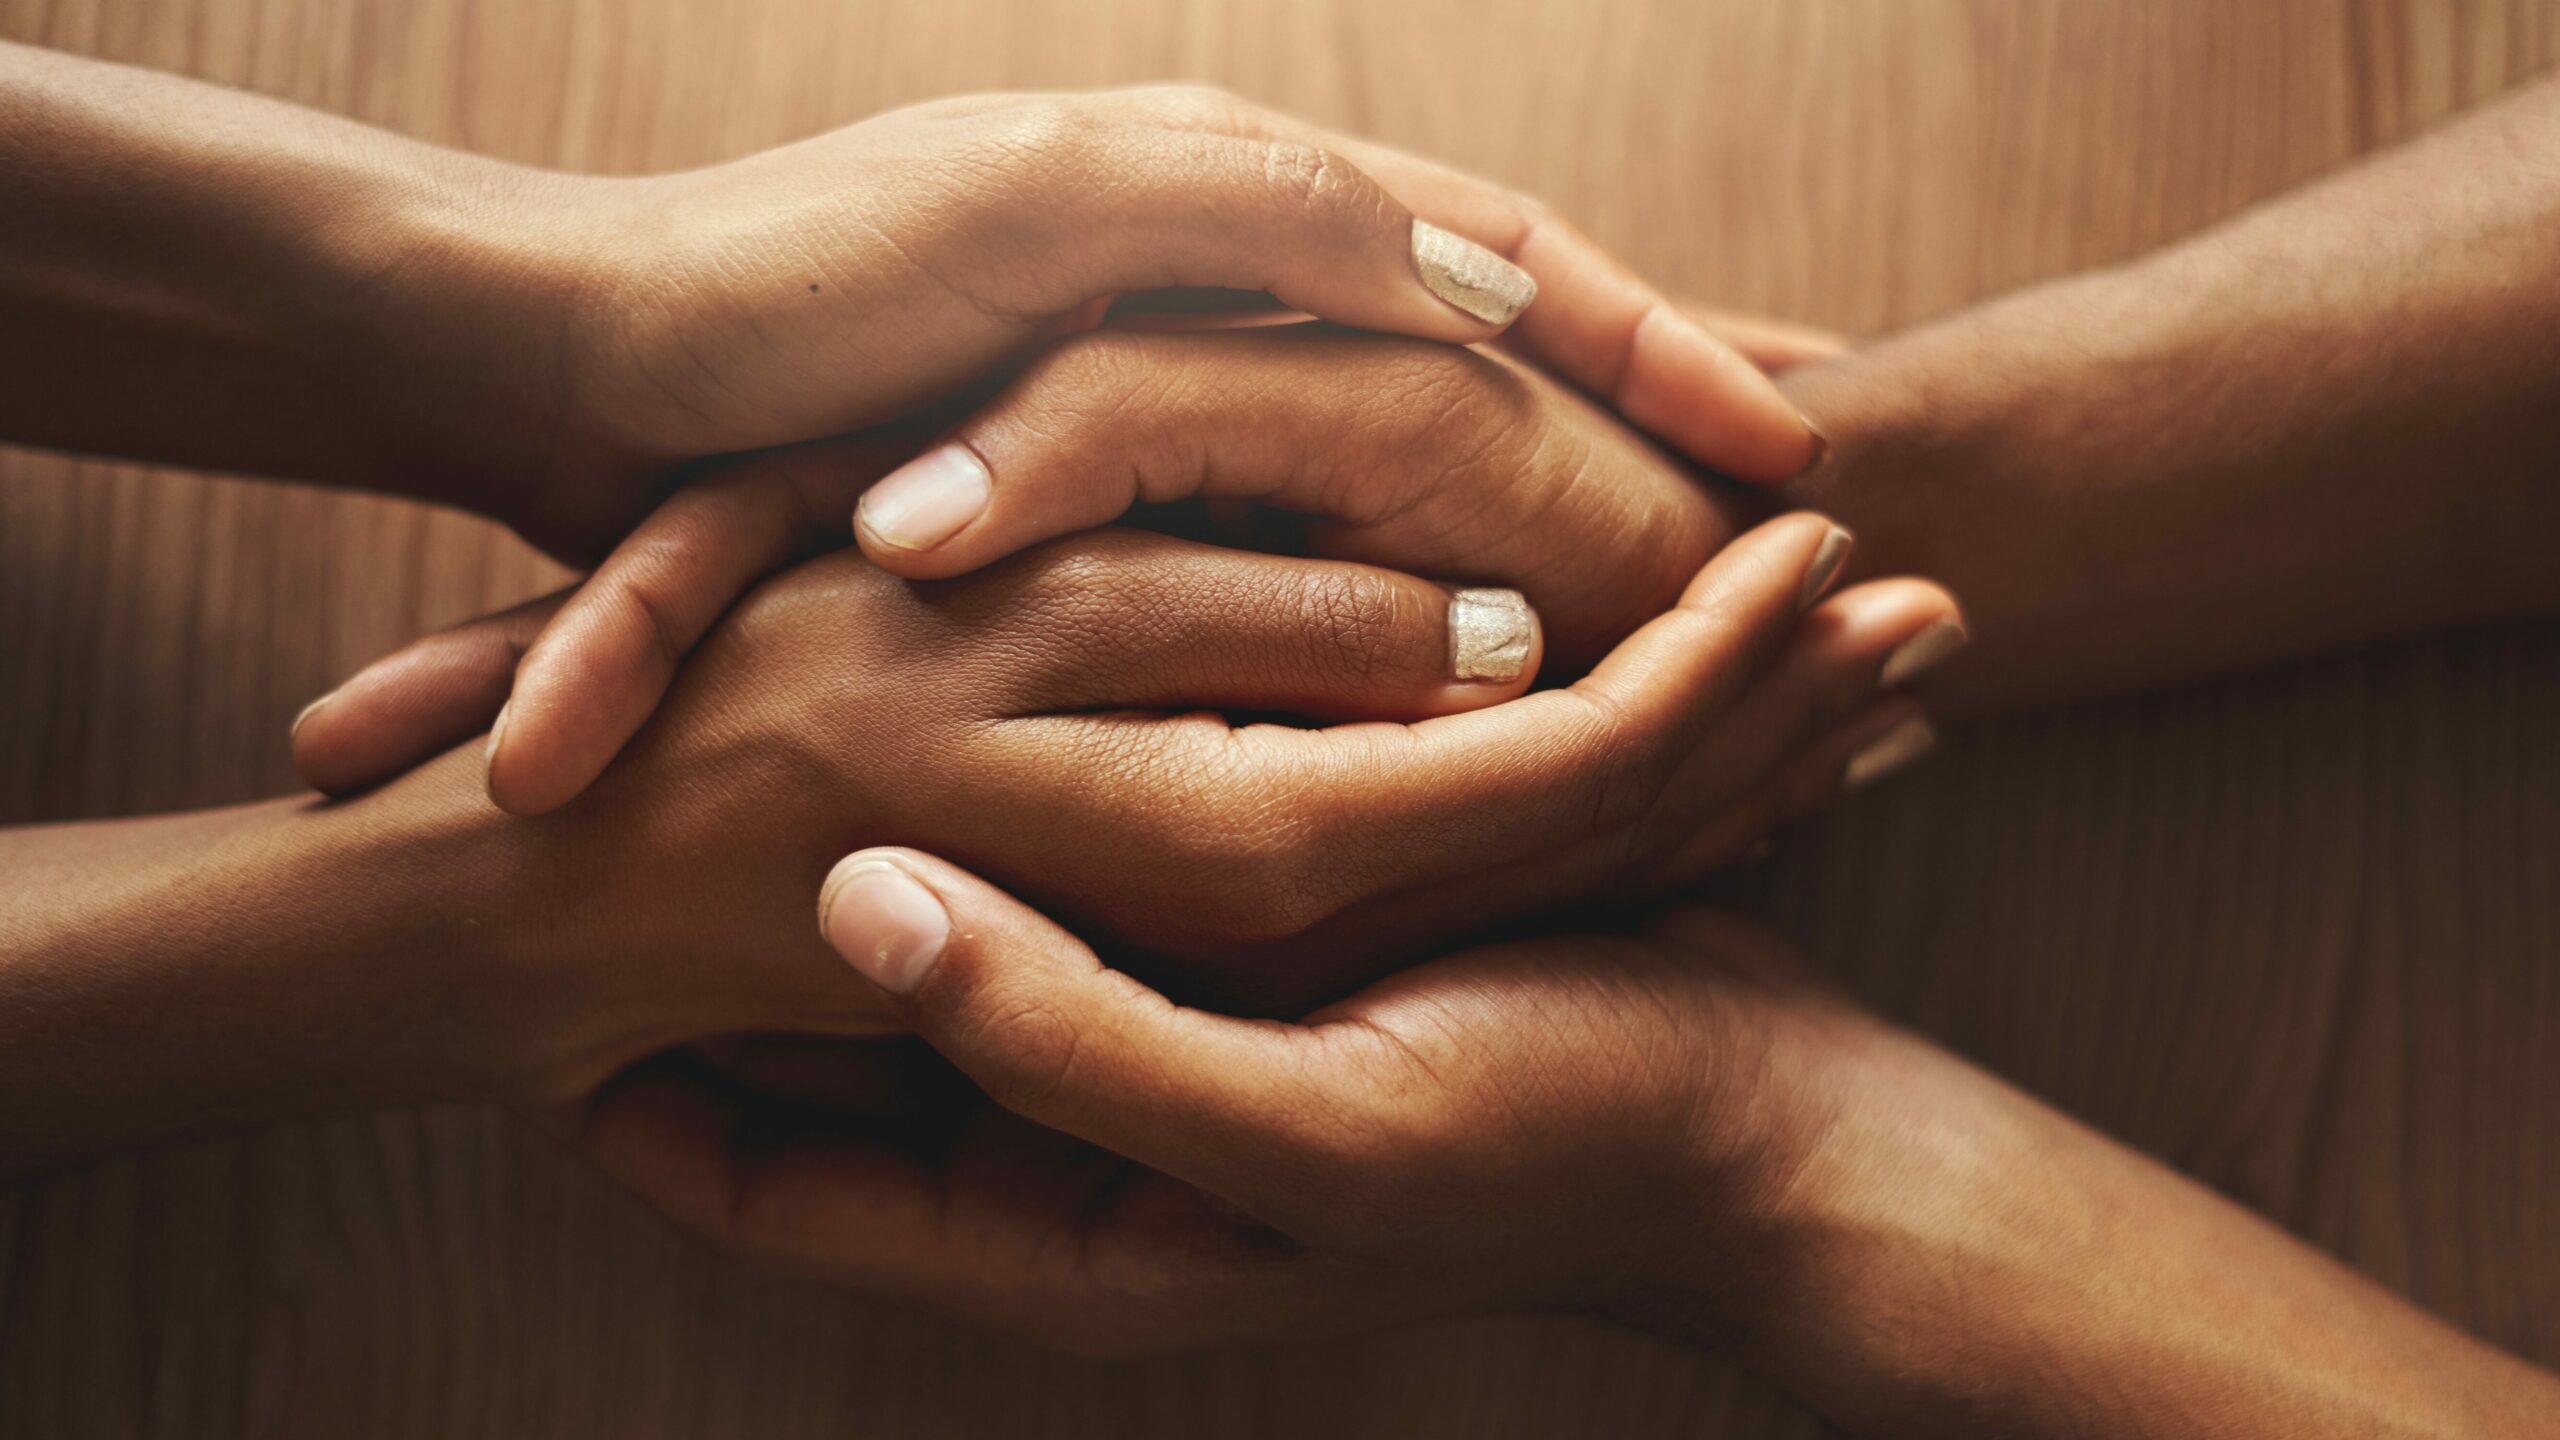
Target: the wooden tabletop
(2297, 932)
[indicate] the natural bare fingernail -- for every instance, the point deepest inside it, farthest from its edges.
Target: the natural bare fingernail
(927, 500)
(1821, 447)
(1469, 276)
(1922, 652)
(1828, 557)
(497, 733)
(1900, 746)
(883, 922)
(1490, 634)
(305, 713)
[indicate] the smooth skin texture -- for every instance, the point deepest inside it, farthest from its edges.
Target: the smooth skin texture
(1431, 459)
(307, 298)
(1055, 718)
(1680, 1128)
(2328, 420)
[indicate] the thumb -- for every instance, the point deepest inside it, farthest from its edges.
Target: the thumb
(1029, 1012)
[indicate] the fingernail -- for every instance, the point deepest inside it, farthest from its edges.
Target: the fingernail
(1490, 631)
(883, 922)
(1921, 652)
(305, 713)
(1900, 746)
(1828, 557)
(927, 500)
(1821, 446)
(497, 732)
(1469, 276)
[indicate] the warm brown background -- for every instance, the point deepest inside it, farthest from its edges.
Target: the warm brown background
(2295, 931)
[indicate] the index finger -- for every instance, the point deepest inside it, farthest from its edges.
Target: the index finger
(1602, 327)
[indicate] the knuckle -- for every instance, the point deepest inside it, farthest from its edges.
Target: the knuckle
(1444, 432)
(1084, 385)
(1044, 131)
(1193, 106)
(1627, 765)
(1036, 1049)
(1097, 362)
(1308, 178)
(1353, 622)
(1081, 596)
(1473, 413)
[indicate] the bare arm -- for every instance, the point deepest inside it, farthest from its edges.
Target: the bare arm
(1681, 1128)
(183, 973)
(2335, 417)
(193, 274)
(1954, 1258)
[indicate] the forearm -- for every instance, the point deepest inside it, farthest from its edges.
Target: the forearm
(1955, 1259)
(172, 975)
(195, 275)
(2335, 417)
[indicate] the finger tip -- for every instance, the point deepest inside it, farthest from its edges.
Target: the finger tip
(1495, 641)
(903, 561)
(329, 758)
(1470, 278)
(1712, 403)
(1774, 446)
(513, 787)
(881, 918)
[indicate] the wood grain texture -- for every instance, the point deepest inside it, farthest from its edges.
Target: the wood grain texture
(2297, 932)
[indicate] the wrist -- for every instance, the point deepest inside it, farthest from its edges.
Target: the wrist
(473, 285)
(179, 974)
(518, 958)
(1796, 1215)
(412, 920)
(1956, 454)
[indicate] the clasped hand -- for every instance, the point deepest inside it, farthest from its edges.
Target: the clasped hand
(1521, 660)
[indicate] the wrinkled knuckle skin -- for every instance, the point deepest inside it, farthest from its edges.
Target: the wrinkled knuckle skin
(1629, 768)
(1308, 178)
(837, 600)
(1355, 620)
(1070, 592)
(1474, 418)
(1037, 1050)
(1096, 369)
(1082, 408)
(1004, 189)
